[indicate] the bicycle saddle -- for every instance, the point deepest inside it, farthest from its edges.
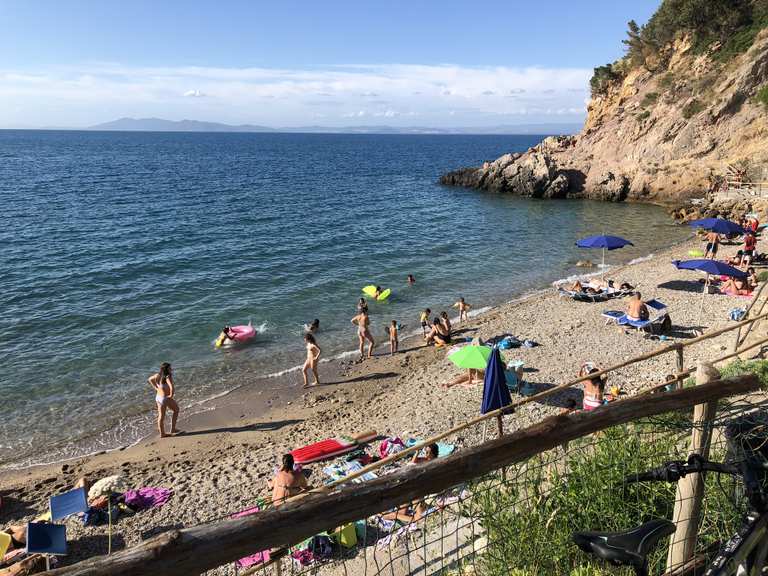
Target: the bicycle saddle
(628, 548)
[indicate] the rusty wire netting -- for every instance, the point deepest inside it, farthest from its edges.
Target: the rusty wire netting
(519, 520)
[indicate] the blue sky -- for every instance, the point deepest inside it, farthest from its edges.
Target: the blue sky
(291, 63)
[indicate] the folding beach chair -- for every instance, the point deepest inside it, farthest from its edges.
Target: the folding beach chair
(64, 505)
(5, 543)
(657, 315)
(46, 539)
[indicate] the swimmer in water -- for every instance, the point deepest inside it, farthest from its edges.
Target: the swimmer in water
(411, 280)
(313, 353)
(312, 327)
(377, 293)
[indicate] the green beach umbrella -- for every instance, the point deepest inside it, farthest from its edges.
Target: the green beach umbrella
(471, 357)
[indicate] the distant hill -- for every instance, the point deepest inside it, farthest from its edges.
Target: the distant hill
(162, 125)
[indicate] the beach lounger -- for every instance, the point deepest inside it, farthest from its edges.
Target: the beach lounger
(657, 315)
(603, 296)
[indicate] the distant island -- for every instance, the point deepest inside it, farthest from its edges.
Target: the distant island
(162, 125)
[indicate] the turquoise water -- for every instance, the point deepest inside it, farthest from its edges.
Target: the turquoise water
(123, 250)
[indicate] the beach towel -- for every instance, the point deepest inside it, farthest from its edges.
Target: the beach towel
(253, 559)
(443, 450)
(145, 498)
(344, 469)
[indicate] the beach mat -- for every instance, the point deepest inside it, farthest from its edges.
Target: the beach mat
(330, 448)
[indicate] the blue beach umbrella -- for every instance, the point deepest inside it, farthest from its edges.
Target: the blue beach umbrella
(718, 225)
(604, 242)
(709, 267)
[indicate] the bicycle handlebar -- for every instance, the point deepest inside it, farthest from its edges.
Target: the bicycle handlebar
(676, 469)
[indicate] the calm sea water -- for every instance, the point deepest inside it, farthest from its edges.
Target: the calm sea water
(123, 250)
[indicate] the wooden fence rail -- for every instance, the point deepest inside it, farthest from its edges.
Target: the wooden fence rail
(201, 548)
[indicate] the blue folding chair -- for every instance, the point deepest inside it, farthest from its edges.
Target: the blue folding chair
(72, 502)
(46, 539)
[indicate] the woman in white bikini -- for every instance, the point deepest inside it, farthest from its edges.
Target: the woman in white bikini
(162, 382)
(363, 332)
(313, 353)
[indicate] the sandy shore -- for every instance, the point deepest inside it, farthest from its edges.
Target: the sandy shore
(221, 463)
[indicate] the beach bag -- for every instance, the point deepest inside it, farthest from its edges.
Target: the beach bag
(321, 546)
(346, 535)
(391, 446)
(737, 314)
(664, 327)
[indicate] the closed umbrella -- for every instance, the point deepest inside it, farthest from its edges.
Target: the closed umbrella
(604, 242)
(709, 267)
(495, 391)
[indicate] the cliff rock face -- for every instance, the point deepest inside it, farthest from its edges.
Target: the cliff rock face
(654, 136)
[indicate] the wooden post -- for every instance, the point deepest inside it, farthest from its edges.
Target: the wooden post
(690, 490)
(500, 422)
(679, 365)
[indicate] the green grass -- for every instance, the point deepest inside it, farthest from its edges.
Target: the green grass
(762, 97)
(692, 108)
(644, 115)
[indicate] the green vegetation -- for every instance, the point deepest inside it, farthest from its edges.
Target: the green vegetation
(603, 77)
(762, 96)
(733, 24)
(692, 108)
(667, 81)
(644, 115)
(649, 99)
(529, 516)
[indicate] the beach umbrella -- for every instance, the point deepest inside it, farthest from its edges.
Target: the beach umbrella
(718, 225)
(495, 391)
(709, 267)
(604, 242)
(471, 357)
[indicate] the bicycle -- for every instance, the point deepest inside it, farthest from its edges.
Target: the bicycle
(745, 553)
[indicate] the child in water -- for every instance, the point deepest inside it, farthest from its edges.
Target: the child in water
(313, 353)
(411, 280)
(393, 337)
(424, 319)
(463, 309)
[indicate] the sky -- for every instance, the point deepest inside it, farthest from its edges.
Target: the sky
(430, 63)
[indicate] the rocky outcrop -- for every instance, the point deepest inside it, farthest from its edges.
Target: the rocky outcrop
(654, 136)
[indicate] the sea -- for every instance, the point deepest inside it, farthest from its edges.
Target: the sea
(122, 250)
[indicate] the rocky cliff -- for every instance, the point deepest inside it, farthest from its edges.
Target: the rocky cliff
(659, 133)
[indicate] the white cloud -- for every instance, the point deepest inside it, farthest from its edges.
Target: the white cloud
(84, 95)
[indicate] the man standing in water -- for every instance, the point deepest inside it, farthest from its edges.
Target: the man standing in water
(162, 382)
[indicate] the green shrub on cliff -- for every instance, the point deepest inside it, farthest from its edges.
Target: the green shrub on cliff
(692, 108)
(733, 23)
(650, 99)
(603, 77)
(762, 96)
